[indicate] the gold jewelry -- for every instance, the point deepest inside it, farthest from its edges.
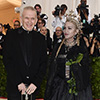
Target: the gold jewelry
(74, 18)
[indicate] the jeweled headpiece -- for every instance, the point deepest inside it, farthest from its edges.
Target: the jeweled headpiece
(74, 18)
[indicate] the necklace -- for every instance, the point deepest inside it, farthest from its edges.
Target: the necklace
(70, 44)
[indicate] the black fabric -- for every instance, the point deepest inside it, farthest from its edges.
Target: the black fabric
(50, 80)
(82, 15)
(52, 69)
(15, 58)
(49, 44)
(2, 38)
(58, 87)
(56, 39)
(20, 97)
(28, 44)
(96, 52)
(60, 91)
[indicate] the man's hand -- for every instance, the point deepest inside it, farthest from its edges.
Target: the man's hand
(22, 87)
(31, 89)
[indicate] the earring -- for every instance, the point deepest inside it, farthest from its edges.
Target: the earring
(75, 37)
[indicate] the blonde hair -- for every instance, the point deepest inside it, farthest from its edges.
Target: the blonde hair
(77, 25)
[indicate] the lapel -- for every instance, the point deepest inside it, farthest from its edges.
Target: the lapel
(22, 44)
(23, 47)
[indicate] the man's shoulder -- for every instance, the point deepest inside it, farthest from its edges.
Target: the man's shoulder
(10, 32)
(13, 33)
(38, 35)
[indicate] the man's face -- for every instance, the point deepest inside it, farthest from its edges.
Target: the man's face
(64, 11)
(58, 31)
(40, 23)
(28, 19)
(38, 9)
(16, 25)
(1, 28)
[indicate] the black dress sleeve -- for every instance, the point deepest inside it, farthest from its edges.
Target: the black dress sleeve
(81, 70)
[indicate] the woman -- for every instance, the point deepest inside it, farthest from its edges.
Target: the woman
(69, 80)
(48, 39)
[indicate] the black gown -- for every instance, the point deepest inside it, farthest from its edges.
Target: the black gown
(57, 87)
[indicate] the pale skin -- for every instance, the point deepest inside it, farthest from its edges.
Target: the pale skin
(93, 45)
(39, 11)
(1, 29)
(86, 41)
(40, 24)
(58, 31)
(70, 31)
(62, 13)
(43, 31)
(28, 20)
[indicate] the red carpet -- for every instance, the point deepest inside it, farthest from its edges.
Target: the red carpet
(2, 98)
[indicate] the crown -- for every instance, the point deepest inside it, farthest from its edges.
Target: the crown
(75, 18)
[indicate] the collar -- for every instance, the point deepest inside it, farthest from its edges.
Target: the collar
(22, 29)
(26, 30)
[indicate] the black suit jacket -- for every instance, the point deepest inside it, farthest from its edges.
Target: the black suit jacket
(15, 60)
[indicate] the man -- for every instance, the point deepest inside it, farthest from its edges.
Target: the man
(40, 23)
(16, 24)
(59, 19)
(58, 36)
(2, 36)
(83, 11)
(39, 14)
(24, 57)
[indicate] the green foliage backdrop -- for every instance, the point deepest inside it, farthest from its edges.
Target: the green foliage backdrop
(2, 79)
(95, 77)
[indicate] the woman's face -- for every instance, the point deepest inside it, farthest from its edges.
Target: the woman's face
(43, 31)
(70, 30)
